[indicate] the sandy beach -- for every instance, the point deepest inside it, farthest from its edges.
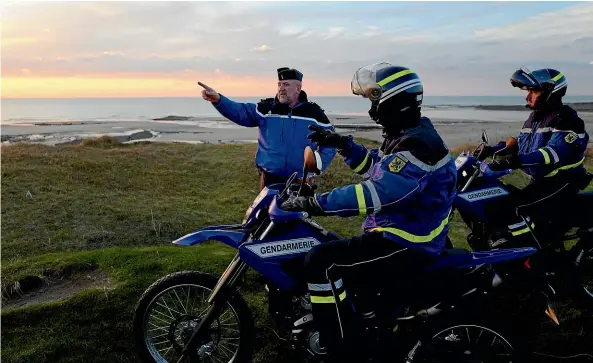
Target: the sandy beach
(457, 125)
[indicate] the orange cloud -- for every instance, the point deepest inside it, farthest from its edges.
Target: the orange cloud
(151, 86)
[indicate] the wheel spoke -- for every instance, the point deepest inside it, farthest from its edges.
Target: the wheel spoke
(174, 312)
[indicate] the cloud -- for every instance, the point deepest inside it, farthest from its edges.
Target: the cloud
(262, 48)
(567, 24)
(177, 39)
(333, 32)
(591, 62)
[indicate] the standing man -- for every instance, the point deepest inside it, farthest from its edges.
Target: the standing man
(283, 123)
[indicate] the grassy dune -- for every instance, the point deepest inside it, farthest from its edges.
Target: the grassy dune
(107, 212)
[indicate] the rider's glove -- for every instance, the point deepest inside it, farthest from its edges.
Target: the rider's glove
(305, 204)
(486, 153)
(323, 136)
(507, 162)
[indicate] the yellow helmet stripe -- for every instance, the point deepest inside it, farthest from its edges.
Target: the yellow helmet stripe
(393, 77)
(560, 75)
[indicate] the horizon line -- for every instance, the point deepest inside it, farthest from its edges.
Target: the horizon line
(243, 96)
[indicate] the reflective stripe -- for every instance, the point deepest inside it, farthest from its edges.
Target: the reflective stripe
(560, 75)
(319, 287)
(393, 77)
(362, 207)
(566, 167)
(538, 131)
(520, 224)
(411, 158)
(582, 136)
(374, 196)
(415, 238)
(522, 231)
(559, 86)
(324, 287)
(327, 299)
(546, 156)
(399, 90)
(399, 87)
(361, 166)
(553, 152)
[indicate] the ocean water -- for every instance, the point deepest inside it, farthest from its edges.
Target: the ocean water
(146, 109)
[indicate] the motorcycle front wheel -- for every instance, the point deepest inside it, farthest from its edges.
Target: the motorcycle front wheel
(173, 306)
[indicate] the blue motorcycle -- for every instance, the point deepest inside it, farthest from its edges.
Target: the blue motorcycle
(480, 193)
(192, 316)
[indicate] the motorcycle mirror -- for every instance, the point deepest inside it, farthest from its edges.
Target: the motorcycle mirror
(484, 136)
(312, 161)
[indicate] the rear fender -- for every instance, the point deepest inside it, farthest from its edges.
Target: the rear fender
(231, 235)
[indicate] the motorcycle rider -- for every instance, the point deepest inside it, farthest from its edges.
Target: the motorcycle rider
(282, 123)
(551, 147)
(406, 194)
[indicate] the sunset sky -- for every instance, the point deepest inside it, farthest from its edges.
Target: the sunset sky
(158, 49)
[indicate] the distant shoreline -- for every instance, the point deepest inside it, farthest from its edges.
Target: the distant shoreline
(577, 106)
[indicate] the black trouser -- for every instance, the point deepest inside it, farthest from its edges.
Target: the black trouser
(367, 263)
(269, 178)
(543, 205)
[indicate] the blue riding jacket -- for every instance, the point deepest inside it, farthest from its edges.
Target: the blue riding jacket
(282, 131)
(407, 191)
(552, 142)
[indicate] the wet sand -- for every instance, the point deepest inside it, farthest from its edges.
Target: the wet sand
(456, 131)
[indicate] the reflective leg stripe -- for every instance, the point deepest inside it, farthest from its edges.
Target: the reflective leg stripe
(520, 228)
(546, 156)
(566, 167)
(362, 206)
(376, 201)
(416, 238)
(327, 299)
(325, 287)
(522, 231)
(360, 167)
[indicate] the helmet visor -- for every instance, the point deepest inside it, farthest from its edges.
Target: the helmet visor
(526, 79)
(364, 82)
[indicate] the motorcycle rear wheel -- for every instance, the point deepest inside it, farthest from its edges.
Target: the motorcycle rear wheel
(168, 311)
(469, 340)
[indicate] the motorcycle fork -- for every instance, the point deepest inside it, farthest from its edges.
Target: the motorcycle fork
(218, 298)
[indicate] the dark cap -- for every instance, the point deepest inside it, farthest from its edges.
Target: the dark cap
(285, 73)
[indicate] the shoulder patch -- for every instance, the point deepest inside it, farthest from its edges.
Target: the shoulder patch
(396, 164)
(571, 137)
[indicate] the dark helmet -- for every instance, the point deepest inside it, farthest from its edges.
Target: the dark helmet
(550, 82)
(391, 90)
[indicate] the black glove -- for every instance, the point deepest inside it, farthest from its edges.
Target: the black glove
(305, 204)
(508, 162)
(487, 152)
(323, 136)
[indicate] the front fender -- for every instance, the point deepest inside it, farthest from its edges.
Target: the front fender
(229, 235)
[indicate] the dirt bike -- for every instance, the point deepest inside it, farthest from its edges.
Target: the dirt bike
(192, 316)
(480, 191)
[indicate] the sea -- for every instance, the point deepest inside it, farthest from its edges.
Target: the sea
(147, 109)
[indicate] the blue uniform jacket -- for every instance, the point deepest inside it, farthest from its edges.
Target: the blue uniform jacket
(552, 143)
(407, 194)
(282, 131)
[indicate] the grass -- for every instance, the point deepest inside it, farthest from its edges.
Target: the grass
(115, 208)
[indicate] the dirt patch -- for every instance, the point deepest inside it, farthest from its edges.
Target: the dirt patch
(60, 288)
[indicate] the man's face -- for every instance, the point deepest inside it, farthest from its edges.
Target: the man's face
(288, 91)
(532, 96)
